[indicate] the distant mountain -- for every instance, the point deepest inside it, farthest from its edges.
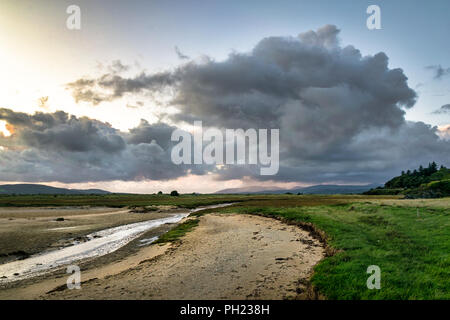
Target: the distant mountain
(317, 189)
(43, 189)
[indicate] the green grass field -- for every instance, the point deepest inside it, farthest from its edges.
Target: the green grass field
(408, 239)
(183, 201)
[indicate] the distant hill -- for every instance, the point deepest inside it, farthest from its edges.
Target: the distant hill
(43, 189)
(334, 189)
(429, 182)
(317, 189)
(253, 189)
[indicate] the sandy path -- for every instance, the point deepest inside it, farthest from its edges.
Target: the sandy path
(225, 257)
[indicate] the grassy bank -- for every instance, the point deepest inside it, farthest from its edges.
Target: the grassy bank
(413, 251)
(179, 231)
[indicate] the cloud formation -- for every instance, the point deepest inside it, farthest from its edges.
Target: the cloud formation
(340, 114)
(64, 148)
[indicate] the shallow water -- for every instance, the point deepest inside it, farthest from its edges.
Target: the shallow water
(148, 241)
(98, 244)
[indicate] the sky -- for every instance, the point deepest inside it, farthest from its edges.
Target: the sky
(168, 63)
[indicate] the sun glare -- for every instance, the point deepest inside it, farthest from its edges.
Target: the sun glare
(4, 128)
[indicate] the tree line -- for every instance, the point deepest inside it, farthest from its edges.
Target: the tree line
(413, 179)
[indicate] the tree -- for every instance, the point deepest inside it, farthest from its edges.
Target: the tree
(174, 193)
(160, 192)
(433, 167)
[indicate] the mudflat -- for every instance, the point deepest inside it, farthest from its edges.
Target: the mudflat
(27, 231)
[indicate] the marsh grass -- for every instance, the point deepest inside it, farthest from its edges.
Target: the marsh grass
(188, 201)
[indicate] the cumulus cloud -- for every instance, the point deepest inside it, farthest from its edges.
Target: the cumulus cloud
(257, 86)
(340, 114)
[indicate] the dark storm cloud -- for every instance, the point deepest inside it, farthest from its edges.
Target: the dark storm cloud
(60, 147)
(340, 114)
(443, 110)
(145, 133)
(59, 131)
(372, 156)
(439, 71)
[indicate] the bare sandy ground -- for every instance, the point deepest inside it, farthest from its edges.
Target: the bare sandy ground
(225, 257)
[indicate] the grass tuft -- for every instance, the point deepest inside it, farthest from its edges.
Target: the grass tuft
(179, 231)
